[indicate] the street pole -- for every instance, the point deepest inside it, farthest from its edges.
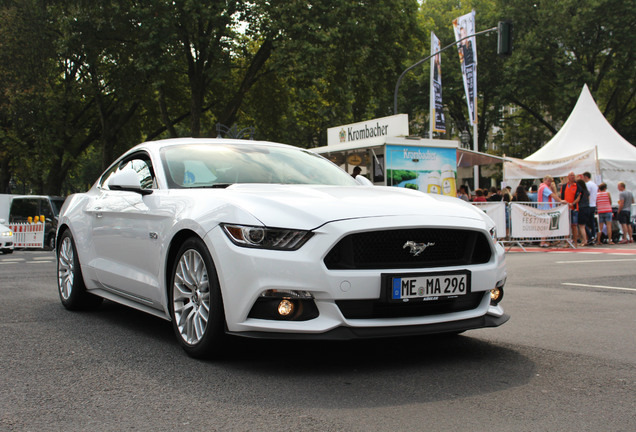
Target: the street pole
(399, 80)
(476, 149)
(475, 126)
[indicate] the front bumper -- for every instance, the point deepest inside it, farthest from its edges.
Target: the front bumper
(349, 333)
(244, 274)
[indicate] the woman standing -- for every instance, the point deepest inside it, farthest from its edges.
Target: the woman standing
(584, 210)
(521, 195)
(604, 210)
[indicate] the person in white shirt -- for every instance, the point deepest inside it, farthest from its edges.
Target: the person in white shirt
(592, 188)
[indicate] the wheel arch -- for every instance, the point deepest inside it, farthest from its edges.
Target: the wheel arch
(176, 242)
(60, 232)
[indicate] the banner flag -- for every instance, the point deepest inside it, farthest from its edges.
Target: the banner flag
(465, 26)
(438, 122)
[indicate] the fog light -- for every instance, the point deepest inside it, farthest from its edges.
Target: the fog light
(496, 295)
(285, 307)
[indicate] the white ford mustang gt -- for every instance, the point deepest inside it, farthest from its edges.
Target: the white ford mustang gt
(268, 240)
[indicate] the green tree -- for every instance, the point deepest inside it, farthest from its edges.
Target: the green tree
(333, 62)
(558, 47)
(82, 81)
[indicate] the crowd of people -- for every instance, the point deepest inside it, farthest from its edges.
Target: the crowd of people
(587, 202)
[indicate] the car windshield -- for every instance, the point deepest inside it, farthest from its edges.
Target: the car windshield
(220, 165)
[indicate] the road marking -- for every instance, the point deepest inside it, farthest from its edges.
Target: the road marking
(595, 261)
(598, 286)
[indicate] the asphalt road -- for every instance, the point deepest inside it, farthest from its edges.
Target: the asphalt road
(566, 361)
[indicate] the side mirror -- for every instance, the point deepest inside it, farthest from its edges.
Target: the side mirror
(127, 180)
(363, 181)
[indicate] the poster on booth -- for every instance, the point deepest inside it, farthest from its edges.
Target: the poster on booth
(427, 169)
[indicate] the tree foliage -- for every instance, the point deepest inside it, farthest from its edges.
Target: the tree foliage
(81, 81)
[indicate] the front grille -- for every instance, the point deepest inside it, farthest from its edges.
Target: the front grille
(386, 249)
(368, 309)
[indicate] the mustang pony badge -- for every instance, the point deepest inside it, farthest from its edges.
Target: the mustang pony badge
(416, 248)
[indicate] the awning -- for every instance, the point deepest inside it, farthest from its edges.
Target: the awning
(470, 158)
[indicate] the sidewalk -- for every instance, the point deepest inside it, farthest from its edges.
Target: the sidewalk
(627, 248)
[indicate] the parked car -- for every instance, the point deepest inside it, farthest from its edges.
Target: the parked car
(268, 240)
(24, 207)
(6, 239)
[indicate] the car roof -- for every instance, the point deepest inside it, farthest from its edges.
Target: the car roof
(37, 196)
(159, 144)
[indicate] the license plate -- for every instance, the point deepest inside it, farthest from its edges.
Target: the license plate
(427, 287)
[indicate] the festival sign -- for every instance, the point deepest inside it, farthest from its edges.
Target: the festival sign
(527, 221)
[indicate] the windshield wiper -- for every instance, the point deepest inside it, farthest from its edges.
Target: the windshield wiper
(214, 186)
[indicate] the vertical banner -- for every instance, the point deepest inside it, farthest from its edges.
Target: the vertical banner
(438, 122)
(465, 26)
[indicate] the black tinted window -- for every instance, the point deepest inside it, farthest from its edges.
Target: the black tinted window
(57, 203)
(23, 208)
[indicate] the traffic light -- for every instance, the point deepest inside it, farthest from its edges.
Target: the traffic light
(504, 38)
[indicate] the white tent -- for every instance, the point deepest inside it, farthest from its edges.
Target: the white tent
(586, 142)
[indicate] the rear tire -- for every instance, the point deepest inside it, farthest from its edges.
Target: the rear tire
(70, 282)
(49, 243)
(196, 305)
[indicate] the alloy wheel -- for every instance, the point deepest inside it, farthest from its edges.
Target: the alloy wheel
(66, 268)
(191, 296)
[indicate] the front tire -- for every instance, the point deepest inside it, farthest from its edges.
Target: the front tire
(196, 306)
(70, 281)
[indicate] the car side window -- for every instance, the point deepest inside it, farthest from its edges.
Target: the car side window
(45, 209)
(23, 208)
(141, 164)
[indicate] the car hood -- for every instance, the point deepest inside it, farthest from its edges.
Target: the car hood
(308, 207)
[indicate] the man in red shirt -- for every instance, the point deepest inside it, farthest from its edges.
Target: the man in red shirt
(570, 192)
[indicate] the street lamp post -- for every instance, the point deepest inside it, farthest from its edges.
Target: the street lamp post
(397, 84)
(504, 47)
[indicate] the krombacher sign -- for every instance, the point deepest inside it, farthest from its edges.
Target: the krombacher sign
(372, 132)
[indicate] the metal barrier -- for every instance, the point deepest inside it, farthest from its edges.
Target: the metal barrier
(520, 223)
(28, 235)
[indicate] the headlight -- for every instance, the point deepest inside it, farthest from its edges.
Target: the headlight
(7, 234)
(266, 238)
